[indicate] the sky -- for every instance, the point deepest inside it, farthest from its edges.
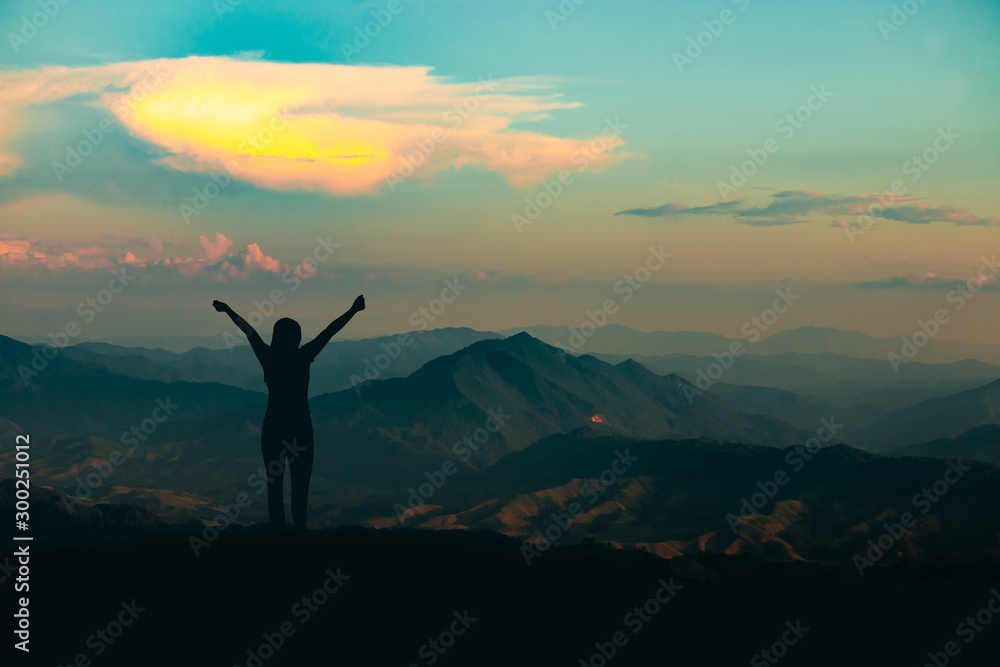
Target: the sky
(671, 165)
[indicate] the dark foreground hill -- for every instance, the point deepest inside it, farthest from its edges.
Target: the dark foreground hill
(356, 596)
(121, 589)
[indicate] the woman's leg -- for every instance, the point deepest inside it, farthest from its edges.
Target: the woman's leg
(274, 469)
(300, 471)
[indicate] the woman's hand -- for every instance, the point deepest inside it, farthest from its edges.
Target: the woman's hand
(219, 306)
(359, 304)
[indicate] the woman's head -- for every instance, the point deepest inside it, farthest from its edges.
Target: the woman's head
(287, 334)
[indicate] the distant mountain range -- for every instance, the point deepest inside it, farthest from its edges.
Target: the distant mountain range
(62, 395)
(981, 444)
(343, 363)
(935, 418)
(176, 344)
(858, 390)
(617, 339)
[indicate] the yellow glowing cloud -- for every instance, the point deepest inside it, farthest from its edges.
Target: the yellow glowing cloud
(339, 128)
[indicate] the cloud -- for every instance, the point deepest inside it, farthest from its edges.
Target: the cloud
(255, 259)
(15, 250)
(925, 215)
(30, 252)
(212, 256)
(930, 281)
(676, 209)
(796, 206)
(335, 128)
(214, 249)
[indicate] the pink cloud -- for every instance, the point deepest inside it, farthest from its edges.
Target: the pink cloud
(210, 254)
(255, 259)
(215, 249)
(14, 250)
(31, 252)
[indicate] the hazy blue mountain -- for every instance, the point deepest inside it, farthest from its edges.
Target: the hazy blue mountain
(805, 412)
(175, 344)
(617, 339)
(66, 396)
(981, 444)
(860, 390)
(935, 418)
(853, 344)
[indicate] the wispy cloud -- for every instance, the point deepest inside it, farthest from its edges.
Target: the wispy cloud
(929, 281)
(796, 206)
(671, 208)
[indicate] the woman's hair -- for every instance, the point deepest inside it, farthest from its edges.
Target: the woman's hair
(287, 334)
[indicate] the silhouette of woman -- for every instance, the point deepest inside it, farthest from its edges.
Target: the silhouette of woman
(287, 432)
